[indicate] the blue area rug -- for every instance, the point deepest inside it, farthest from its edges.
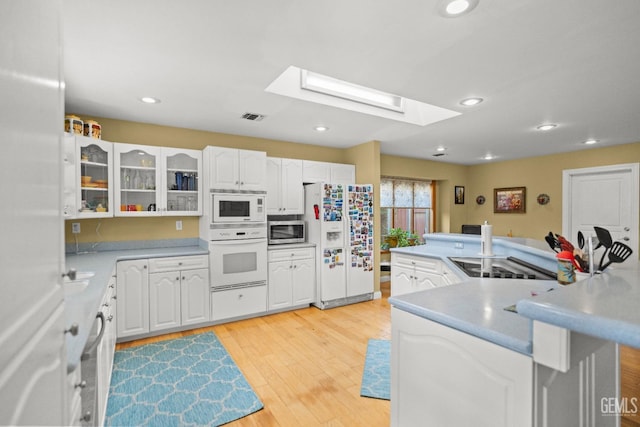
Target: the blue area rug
(376, 378)
(190, 381)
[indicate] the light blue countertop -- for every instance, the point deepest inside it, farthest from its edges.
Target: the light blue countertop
(604, 306)
(82, 308)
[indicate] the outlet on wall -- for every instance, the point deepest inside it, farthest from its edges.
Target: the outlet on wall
(178, 225)
(75, 227)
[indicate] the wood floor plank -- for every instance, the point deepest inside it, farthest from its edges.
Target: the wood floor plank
(306, 365)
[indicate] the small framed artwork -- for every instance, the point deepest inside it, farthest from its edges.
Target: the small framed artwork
(509, 200)
(459, 195)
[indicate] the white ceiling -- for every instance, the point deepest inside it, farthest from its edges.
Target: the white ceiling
(571, 62)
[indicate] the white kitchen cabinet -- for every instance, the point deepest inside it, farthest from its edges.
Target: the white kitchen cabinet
(154, 181)
(132, 289)
(181, 182)
(291, 277)
(430, 361)
(314, 171)
(164, 300)
(137, 178)
(194, 296)
(234, 169)
(412, 274)
(285, 193)
(88, 187)
(178, 291)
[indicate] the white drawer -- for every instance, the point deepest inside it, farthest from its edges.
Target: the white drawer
(159, 265)
(291, 254)
(426, 264)
(238, 302)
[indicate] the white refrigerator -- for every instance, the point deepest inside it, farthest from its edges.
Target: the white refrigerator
(339, 220)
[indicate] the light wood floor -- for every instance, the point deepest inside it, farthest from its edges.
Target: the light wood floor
(306, 365)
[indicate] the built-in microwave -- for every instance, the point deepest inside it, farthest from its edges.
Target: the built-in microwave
(280, 232)
(238, 207)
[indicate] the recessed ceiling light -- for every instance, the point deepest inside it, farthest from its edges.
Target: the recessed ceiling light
(321, 128)
(591, 141)
(440, 148)
(470, 102)
(489, 157)
(547, 126)
(454, 8)
(149, 100)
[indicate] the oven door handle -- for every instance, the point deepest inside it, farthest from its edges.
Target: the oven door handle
(238, 241)
(95, 342)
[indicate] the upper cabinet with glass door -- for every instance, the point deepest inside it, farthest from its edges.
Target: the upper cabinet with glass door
(137, 174)
(181, 186)
(88, 189)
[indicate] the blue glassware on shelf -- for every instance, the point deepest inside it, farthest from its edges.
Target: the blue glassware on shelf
(179, 176)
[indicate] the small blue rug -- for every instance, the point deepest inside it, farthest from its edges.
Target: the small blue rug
(376, 378)
(189, 381)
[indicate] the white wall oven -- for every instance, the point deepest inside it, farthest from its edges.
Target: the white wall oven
(231, 207)
(238, 256)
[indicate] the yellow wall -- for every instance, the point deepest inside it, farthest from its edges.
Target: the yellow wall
(539, 175)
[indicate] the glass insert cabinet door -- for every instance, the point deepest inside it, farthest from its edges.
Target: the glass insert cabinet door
(137, 176)
(94, 190)
(181, 182)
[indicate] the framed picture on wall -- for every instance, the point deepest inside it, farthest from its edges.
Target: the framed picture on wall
(459, 195)
(509, 200)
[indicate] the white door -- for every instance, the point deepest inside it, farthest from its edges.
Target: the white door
(603, 196)
(223, 168)
(292, 191)
(252, 170)
(164, 300)
(303, 281)
(33, 363)
(194, 296)
(132, 305)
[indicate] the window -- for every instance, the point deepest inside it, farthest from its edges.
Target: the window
(406, 204)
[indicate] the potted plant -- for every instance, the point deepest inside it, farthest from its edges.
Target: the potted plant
(397, 237)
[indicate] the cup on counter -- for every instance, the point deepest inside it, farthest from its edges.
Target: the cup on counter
(123, 208)
(131, 208)
(139, 208)
(566, 268)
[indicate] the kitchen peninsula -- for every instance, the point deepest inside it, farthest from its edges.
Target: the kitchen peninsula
(506, 351)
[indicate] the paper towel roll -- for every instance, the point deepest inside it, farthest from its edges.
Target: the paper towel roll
(486, 234)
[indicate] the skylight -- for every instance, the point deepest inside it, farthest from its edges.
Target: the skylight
(308, 86)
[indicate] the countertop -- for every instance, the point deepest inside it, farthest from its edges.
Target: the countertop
(604, 306)
(81, 308)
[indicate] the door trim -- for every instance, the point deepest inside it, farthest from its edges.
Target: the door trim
(633, 168)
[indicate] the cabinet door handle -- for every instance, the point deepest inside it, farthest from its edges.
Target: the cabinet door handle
(240, 296)
(177, 278)
(182, 277)
(144, 266)
(73, 330)
(81, 384)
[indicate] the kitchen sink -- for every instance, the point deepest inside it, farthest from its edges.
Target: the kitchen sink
(502, 268)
